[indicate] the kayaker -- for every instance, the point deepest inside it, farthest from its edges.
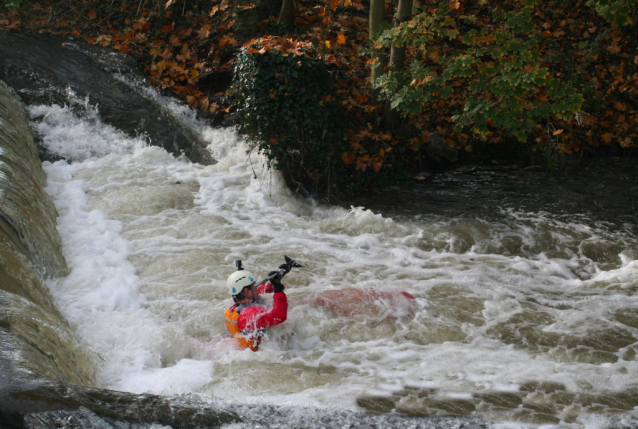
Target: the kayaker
(248, 317)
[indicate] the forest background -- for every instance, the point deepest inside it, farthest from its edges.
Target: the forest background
(343, 95)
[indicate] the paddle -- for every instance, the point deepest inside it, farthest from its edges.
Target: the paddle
(281, 271)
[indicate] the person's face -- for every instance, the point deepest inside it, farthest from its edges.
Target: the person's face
(251, 292)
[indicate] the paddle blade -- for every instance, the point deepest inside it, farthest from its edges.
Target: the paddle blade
(292, 262)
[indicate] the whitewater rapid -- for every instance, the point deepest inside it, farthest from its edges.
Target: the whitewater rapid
(150, 240)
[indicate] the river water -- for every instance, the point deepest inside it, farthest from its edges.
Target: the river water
(524, 280)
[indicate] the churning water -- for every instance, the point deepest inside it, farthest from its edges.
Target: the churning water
(525, 317)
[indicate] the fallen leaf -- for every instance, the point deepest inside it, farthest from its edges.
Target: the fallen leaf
(607, 138)
(614, 48)
(204, 31)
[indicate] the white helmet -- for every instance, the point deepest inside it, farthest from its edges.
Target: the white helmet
(238, 281)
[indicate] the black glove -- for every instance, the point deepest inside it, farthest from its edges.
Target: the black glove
(276, 281)
(285, 267)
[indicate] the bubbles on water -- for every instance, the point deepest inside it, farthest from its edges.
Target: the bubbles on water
(76, 132)
(151, 240)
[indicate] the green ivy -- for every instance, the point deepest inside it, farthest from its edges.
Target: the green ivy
(618, 12)
(286, 108)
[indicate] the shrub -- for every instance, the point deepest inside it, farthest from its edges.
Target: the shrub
(286, 108)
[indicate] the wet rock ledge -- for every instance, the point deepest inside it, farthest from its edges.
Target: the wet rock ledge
(42, 69)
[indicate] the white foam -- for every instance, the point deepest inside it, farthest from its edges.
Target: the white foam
(151, 239)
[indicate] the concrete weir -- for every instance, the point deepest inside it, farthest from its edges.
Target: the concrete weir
(32, 331)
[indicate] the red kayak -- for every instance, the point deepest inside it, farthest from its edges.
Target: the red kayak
(366, 304)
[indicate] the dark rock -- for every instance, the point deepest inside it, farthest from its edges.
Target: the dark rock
(542, 386)
(41, 69)
(379, 404)
(441, 148)
(248, 18)
(80, 419)
(229, 120)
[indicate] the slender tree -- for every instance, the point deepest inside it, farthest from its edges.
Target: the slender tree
(377, 17)
(287, 12)
(397, 59)
(397, 53)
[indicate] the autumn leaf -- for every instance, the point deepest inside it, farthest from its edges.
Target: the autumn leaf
(614, 48)
(122, 48)
(227, 40)
(619, 106)
(161, 65)
(557, 132)
(142, 26)
(607, 138)
(327, 43)
(341, 39)
(363, 162)
(453, 5)
(92, 14)
(204, 31)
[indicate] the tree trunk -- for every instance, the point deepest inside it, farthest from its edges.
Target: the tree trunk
(397, 60)
(377, 16)
(287, 13)
(397, 54)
